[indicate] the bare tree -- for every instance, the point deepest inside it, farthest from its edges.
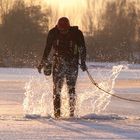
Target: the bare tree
(23, 33)
(115, 36)
(5, 6)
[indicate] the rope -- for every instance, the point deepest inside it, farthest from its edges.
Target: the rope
(94, 83)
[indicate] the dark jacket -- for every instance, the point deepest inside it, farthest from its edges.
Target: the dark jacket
(70, 46)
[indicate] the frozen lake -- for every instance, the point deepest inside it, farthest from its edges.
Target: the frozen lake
(119, 120)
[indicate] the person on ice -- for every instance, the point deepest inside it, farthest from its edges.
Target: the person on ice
(68, 45)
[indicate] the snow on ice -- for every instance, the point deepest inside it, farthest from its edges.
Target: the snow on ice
(24, 91)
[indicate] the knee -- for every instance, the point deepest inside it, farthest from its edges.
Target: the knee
(56, 96)
(72, 91)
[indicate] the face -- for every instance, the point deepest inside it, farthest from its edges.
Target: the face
(64, 31)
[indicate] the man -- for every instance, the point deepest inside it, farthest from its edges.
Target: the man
(68, 45)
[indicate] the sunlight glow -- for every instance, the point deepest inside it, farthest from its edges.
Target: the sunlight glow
(73, 9)
(83, 13)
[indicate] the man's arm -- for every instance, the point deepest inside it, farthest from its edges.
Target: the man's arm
(47, 50)
(82, 50)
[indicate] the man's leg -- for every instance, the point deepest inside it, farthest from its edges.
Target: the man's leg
(72, 100)
(71, 79)
(58, 79)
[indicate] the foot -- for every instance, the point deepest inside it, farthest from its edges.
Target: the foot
(57, 115)
(72, 114)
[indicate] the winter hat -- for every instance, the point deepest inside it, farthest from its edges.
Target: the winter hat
(63, 23)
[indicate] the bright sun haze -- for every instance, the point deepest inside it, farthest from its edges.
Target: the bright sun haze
(82, 13)
(73, 9)
(76, 11)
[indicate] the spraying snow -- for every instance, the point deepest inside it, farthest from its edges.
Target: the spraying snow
(120, 120)
(39, 96)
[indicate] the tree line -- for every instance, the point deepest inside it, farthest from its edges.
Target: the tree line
(117, 37)
(23, 31)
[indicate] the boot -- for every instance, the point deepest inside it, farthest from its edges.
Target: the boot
(56, 101)
(72, 105)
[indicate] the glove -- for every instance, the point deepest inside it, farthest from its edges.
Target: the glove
(39, 67)
(47, 69)
(83, 67)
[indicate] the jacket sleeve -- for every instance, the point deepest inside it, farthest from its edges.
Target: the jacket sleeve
(82, 47)
(48, 47)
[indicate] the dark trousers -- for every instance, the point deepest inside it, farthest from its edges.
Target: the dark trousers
(60, 72)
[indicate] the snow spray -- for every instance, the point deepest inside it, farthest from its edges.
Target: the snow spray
(93, 100)
(39, 95)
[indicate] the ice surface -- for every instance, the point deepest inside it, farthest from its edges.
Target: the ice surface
(120, 120)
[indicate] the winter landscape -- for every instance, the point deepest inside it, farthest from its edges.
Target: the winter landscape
(98, 116)
(111, 30)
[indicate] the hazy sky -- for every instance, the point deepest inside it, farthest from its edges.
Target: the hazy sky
(80, 12)
(76, 11)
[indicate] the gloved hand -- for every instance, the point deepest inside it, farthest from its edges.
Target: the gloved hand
(83, 67)
(39, 67)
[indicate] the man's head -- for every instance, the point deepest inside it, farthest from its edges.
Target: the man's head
(63, 25)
